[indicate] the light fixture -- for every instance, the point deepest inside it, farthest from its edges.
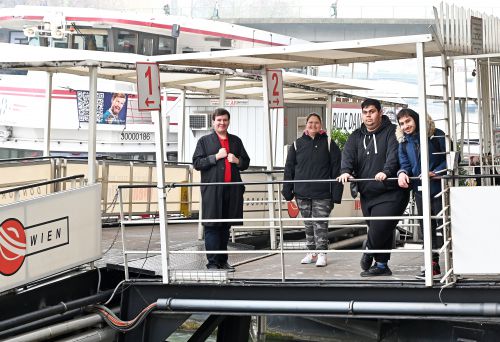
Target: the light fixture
(30, 31)
(57, 34)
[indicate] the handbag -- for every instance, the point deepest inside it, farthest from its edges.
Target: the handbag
(293, 209)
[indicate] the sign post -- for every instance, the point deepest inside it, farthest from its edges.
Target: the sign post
(148, 86)
(148, 95)
(275, 88)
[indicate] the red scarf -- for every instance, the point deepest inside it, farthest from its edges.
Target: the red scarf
(224, 143)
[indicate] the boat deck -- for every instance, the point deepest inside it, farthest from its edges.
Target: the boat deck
(265, 266)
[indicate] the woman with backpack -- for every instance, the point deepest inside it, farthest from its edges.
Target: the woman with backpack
(314, 156)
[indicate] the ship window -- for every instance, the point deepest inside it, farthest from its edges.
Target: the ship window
(147, 44)
(126, 41)
(18, 37)
(90, 42)
(166, 46)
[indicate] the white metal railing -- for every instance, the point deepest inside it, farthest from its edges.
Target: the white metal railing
(274, 222)
(467, 31)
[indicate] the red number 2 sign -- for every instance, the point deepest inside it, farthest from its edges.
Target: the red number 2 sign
(275, 88)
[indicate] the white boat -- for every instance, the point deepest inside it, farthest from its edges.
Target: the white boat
(23, 97)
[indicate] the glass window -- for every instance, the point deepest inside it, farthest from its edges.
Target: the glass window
(18, 37)
(126, 41)
(90, 42)
(166, 46)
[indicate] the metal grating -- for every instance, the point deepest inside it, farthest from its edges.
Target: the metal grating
(294, 245)
(198, 121)
(189, 267)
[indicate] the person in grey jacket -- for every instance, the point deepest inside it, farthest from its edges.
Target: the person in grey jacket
(310, 157)
(371, 152)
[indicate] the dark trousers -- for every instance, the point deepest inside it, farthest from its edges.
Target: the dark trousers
(217, 237)
(381, 232)
(436, 207)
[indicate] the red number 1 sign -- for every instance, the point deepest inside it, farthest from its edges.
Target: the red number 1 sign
(148, 86)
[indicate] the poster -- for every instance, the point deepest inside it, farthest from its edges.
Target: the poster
(111, 107)
(347, 116)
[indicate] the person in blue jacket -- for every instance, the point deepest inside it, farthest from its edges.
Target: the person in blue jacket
(408, 137)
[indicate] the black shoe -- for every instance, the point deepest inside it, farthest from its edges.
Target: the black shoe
(436, 271)
(366, 261)
(227, 267)
(212, 267)
(375, 271)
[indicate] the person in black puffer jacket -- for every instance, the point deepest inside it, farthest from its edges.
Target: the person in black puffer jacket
(310, 158)
(371, 151)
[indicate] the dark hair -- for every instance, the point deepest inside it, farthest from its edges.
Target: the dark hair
(371, 102)
(411, 113)
(313, 114)
(220, 112)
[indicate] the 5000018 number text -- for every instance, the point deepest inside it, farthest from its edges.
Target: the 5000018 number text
(143, 136)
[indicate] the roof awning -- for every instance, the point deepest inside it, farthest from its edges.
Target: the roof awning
(314, 54)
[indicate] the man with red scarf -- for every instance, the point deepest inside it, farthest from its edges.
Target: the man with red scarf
(220, 156)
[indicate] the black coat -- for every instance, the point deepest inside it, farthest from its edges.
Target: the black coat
(310, 159)
(212, 170)
(367, 153)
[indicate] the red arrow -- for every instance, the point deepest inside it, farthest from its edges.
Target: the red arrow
(277, 101)
(148, 102)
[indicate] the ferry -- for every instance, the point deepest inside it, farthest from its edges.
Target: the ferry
(131, 136)
(61, 277)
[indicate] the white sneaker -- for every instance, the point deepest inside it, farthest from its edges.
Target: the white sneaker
(309, 258)
(321, 262)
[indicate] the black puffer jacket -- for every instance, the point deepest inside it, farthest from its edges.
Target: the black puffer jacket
(311, 160)
(367, 153)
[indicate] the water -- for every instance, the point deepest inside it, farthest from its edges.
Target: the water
(180, 336)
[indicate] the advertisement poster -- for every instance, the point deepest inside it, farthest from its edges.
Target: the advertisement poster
(111, 107)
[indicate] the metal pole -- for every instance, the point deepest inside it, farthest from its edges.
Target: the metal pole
(47, 128)
(92, 172)
(56, 330)
(222, 91)
(328, 307)
(329, 114)
(122, 231)
(162, 198)
(424, 163)
(282, 242)
(480, 104)
(181, 132)
(269, 153)
(491, 121)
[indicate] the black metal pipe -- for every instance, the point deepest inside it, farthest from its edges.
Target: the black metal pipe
(54, 310)
(23, 328)
(33, 185)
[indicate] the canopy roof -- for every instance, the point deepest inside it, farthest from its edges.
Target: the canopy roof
(313, 54)
(200, 72)
(121, 67)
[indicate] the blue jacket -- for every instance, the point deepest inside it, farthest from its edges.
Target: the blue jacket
(409, 155)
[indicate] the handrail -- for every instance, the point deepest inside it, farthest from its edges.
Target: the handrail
(271, 220)
(177, 185)
(57, 180)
